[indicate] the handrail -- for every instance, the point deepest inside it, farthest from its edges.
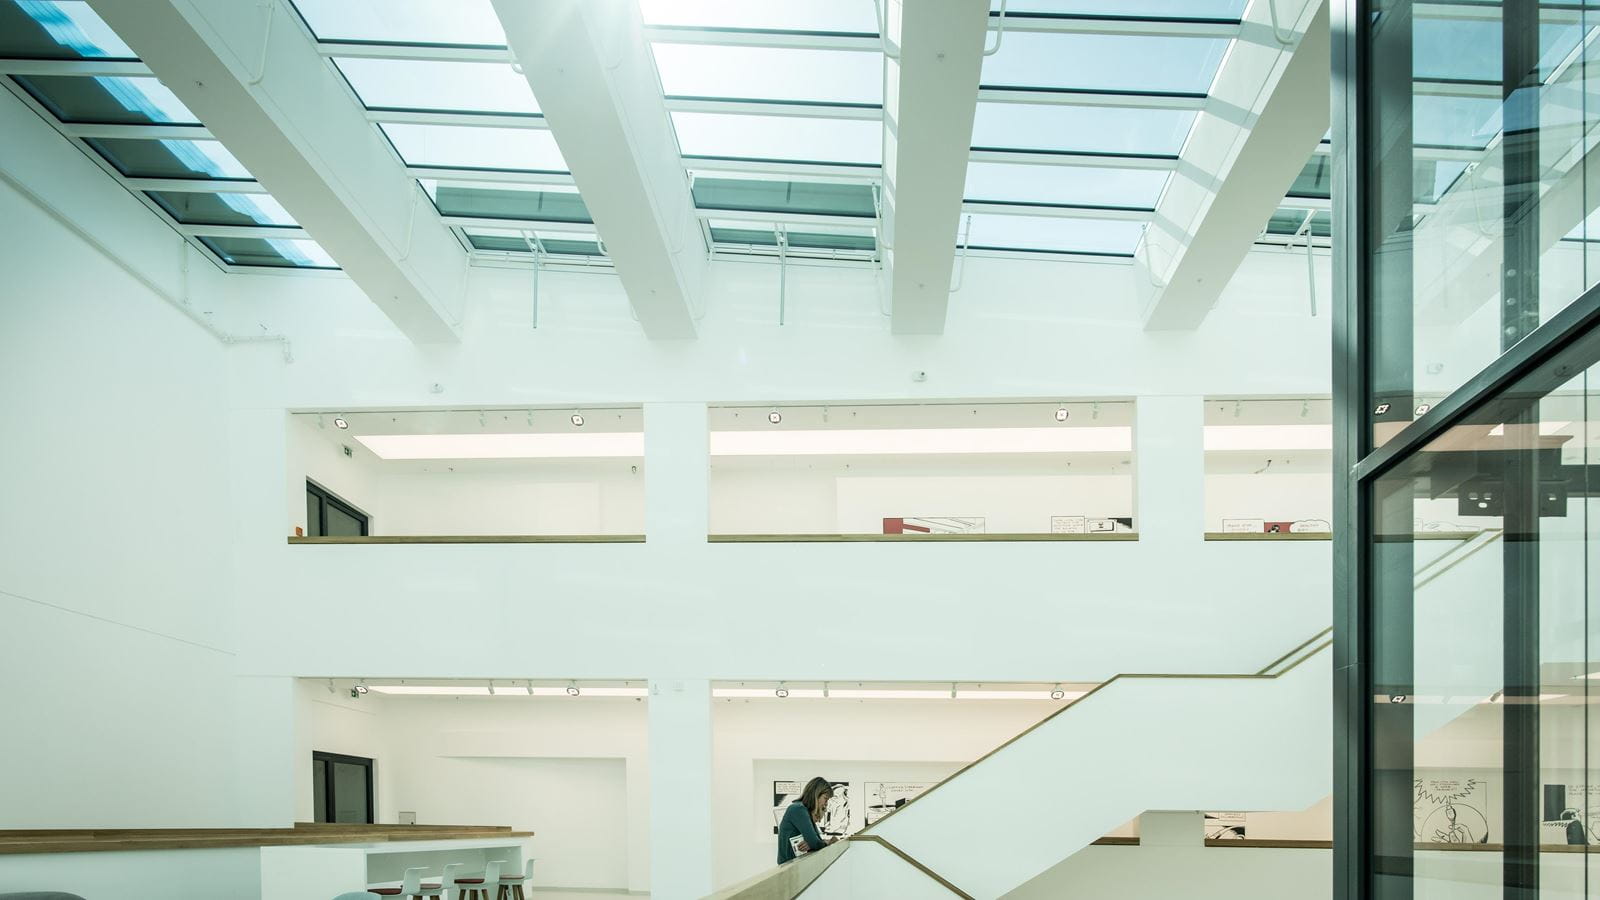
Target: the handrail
(786, 881)
(1127, 676)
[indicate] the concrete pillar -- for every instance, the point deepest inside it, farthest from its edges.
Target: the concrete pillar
(1169, 460)
(680, 788)
(677, 460)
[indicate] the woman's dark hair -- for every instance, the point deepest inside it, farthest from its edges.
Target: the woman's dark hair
(815, 788)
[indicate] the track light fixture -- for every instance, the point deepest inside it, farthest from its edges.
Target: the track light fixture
(577, 420)
(1061, 414)
(781, 691)
(572, 689)
(774, 417)
(358, 690)
(1058, 693)
(491, 689)
(530, 689)
(340, 423)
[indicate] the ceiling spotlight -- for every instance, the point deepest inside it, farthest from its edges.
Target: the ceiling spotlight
(1382, 409)
(358, 690)
(1423, 409)
(1305, 408)
(339, 422)
(781, 691)
(491, 689)
(1398, 698)
(1061, 414)
(774, 417)
(530, 689)
(577, 420)
(1058, 693)
(572, 686)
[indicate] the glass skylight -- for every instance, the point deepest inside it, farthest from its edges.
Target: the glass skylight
(770, 73)
(806, 240)
(513, 149)
(1315, 180)
(57, 29)
(1050, 234)
(558, 243)
(1104, 62)
(271, 252)
(103, 100)
(803, 197)
(190, 208)
(150, 158)
(507, 201)
(57, 32)
(418, 22)
(779, 137)
(834, 16)
(1074, 185)
(1081, 129)
(1289, 220)
(416, 84)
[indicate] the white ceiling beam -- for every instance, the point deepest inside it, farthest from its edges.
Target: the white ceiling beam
(1195, 28)
(1235, 174)
(254, 76)
(591, 67)
(931, 97)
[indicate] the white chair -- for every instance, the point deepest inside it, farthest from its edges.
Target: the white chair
(475, 888)
(411, 886)
(513, 883)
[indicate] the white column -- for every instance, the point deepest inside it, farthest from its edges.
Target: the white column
(1169, 446)
(265, 751)
(1172, 828)
(677, 472)
(680, 789)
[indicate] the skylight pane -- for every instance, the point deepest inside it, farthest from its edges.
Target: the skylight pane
(276, 253)
(779, 137)
(518, 149)
(813, 198)
(1315, 180)
(145, 158)
(1053, 235)
(556, 243)
(1136, 9)
(103, 100)
(844, 16)
(57, 29)
(503, 201)
(1081, 129)
(813, 240)
(1105, 62)
(1434, 177)
(1461, 122)
(222, 208)
(432, 85)
(431, 22)
(770, 73)
(1076, 185)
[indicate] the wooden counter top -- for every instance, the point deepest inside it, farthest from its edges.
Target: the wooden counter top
(91, 840)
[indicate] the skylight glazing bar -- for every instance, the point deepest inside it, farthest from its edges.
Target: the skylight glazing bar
(870, 112)
(539, 224)
(1071, 97)
(787, 218)
(421, 52)
(1059, 210)
(150, 132)
(244, 231)
(458, 119)
(1156, 162)
(747, 37)
(109, 68)
(191, 186)
(460, 176)
(785, 168)
(1118, 25)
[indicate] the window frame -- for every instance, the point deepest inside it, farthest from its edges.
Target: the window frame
(325, 759)
(327, 498)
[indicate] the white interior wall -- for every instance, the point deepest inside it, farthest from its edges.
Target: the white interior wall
(1162, 872)
(116, 543)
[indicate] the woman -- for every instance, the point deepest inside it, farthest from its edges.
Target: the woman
(797, 831)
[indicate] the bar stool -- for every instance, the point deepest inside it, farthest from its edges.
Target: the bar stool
(411, 886)
(473, 888)
(513, 882)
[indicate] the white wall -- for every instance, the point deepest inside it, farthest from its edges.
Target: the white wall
(116, 543)
(1162, 872)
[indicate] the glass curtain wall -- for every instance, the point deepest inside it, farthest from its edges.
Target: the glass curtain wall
(1467, 408)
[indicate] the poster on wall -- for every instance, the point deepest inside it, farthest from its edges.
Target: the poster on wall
(884, 797)
(935, 525)
(1225, 826)
(835, 821)
(1571, 814)
(1450, 811)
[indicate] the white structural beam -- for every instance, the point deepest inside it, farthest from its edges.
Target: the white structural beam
(931, 96)
(1234, 174)
(591, 68)
(255, 78)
